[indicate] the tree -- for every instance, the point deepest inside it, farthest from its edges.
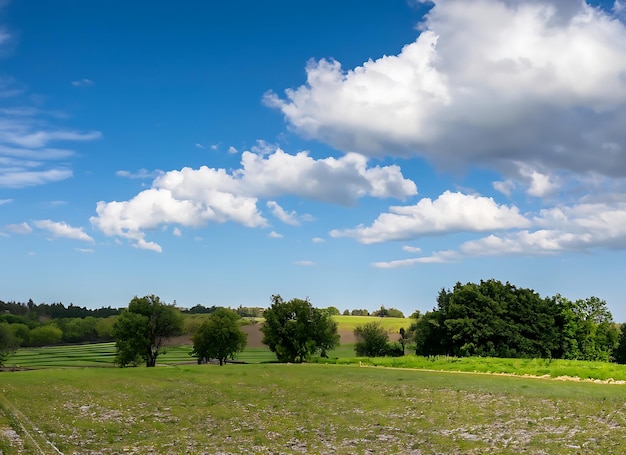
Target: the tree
(8, 342)
(141, 329)
(620, 351)
(295, 330)
(219, 337)
(372, 340)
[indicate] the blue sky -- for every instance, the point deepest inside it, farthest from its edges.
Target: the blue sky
(357, 153)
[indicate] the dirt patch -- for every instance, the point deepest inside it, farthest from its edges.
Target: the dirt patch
(255, 336)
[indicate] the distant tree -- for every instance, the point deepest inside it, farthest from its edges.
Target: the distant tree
(372, 339)
(394, 313)
(346, 312)
(388, 313)
(332, 311)
(8, 342)
(219, 337)
(416, 314)
(360, 313)
(295, 330)
(141, 329)
(45, 335)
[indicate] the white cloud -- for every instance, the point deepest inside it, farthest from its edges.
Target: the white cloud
(5, 201)
(194, 197)
(85, 250)
(450, 212)
(232, 150)
(22, 228)
(486, 83)
(63, 230)
(411, 249)
(274, 235)
(198, 145)
(177, 232)
(440, 257)
(290, 218)
(318, 240)
(582, 227)
(83, 83)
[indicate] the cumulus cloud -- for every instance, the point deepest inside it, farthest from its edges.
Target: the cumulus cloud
(63, 230)
(274, 235)
(194, 197)
(450, 212)
(582, 227)
(486, 83)
(318, 240)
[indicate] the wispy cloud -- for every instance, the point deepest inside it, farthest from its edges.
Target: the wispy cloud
(21, 228)
(83, 83)
(5, 201)
(60, 229)
(305, 263)
(140, 174)
(275, 235)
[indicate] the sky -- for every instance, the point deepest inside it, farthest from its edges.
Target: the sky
(356, 153)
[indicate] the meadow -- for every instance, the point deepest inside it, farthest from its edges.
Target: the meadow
(308, 408)
(71, 400)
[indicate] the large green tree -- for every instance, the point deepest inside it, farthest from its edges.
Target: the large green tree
(219, 337)
(141, 329)
(295, 330)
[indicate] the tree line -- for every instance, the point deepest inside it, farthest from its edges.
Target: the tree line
(489, 318)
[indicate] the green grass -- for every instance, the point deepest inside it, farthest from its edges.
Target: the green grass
(277, 408)
(531, 367)
(102, 355)
(392, 325)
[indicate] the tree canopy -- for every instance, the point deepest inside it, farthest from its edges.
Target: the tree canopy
(501, 320)
(141, 329)
(372, 339)
(294, 330)
(219, 337)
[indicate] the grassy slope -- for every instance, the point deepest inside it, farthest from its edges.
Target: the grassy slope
(305, 409)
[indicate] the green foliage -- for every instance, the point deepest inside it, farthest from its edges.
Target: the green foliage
(8, 342)
(294, 330)
(141, 329)
(500, 320)
(219, 337)
(388, 313)
(360, 313)
(45, 335)
(332, 311)
(372, 339)
(620, 350)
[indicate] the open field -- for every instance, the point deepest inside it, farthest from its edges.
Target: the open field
(275, 408)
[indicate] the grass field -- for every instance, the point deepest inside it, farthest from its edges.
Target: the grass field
(276, 408)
